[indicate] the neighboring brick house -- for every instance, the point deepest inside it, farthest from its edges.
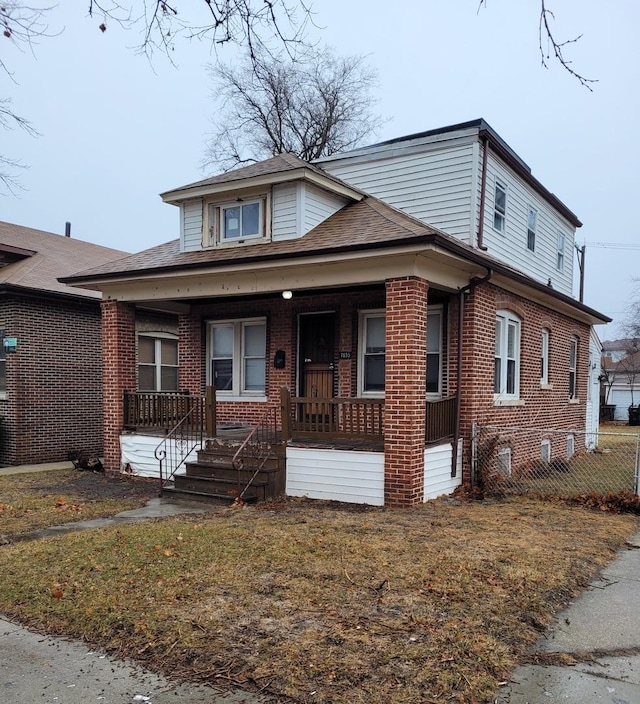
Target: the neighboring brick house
(50, 361)
(289, 274)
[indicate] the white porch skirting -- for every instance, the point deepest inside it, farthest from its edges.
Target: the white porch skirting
(137, 455)
(437, 470)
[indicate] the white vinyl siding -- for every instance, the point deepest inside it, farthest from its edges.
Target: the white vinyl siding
(336, 475)
(318, 206)
(431, 183)
(191, 229)
(510, 246)
(284, 224)
(437, 470)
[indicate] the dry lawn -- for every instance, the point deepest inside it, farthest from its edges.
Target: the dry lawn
(313, 602)
(32, 501)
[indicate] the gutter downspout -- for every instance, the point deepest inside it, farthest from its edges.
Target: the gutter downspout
(456, 426)
(483, 193)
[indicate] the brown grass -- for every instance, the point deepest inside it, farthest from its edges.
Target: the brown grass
(313, 602)
(40, 499)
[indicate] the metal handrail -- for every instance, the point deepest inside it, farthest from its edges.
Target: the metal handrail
(179, 443)
(256, 449)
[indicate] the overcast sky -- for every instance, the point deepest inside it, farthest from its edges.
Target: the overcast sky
(116, 131)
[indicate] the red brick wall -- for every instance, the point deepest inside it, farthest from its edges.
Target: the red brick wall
(405, 410)
(190, 360)
(54, 394)
(119, 355)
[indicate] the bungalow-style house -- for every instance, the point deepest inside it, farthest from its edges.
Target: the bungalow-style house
(370, 307)
(620, 379)
(50, 366)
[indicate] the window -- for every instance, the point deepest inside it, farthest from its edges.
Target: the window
(571, 446)
(544, 357)
(434, 351)
(532, 221)
(506, 382)
(545, 451)
(573, 366)
(499, 207)
(560, 252)
(374, 348)
(237, 221)
(157, 363)
(504, 461)
(237, 352)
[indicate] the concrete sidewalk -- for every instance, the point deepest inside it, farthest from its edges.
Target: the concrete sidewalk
(600, 633)
(28, 468)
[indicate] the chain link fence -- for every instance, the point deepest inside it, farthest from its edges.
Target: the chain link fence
(568, 463)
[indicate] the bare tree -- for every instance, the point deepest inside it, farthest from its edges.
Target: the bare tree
(550, 46)
(8, 167)
(311, 107)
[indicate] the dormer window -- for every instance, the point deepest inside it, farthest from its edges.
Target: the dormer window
(236, 221)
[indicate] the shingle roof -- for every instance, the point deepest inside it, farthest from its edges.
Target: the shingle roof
(53, 256)
(279, 164)
(367, 223)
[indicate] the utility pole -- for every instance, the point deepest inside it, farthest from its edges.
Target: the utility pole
(580, 252)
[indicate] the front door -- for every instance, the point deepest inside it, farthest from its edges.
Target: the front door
(317, 353)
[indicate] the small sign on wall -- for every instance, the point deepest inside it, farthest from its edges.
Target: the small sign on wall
(10, 344)
(345, 355)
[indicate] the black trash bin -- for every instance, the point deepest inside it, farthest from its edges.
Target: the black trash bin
(634, 415)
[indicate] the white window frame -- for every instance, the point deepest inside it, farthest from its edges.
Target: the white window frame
(560, 247)
(506, 322)
(365, 316)
(545, 336)
(532, 228)
(433, 312)
(573, 368)
(158, 338)
(499, 216)
(214, 225)
(238, 389)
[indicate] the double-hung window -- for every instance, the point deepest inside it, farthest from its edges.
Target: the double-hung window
(373, 345)
(532, 224)
(560, 251)
(544, 357)
(434, 351)
(573, 368)
(237, 353)
(236, 221)
(157, 363)
(506, 381)
(499, 207)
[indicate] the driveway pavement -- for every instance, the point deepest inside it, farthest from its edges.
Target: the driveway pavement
(592, 656)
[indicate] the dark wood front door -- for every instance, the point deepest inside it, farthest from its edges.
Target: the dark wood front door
(317, 354)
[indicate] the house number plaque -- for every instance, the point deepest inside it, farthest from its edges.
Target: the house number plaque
(345, 355)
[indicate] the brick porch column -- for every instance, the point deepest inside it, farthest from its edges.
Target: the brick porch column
(118, 373)
(191, 372)
(405, 384)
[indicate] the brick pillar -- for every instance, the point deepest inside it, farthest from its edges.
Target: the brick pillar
(191, 372)
(346, 377)
(118, 373)
(405, 383)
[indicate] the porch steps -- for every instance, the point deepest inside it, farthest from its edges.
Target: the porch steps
(213, 475)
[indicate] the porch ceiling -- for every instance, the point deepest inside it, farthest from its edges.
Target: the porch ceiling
(442, 269)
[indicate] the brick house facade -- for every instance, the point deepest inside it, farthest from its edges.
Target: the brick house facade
(396, 313)
(51, 398)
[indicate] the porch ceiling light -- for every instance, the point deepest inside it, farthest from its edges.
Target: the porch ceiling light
(287, 295)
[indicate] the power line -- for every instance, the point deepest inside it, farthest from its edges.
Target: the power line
(614, 245)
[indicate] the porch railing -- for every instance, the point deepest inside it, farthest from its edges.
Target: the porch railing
(160, 411)
(440, 420)
(332, 417)
(257, 450)
(180, 442)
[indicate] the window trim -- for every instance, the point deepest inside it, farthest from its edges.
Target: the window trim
(561, 243)
(532, 232)
(497, 213)
(573, 368)
(157, 338)
(213, 220)
(364, 316)
(506, 319)
(238, 391)
(545, 337)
